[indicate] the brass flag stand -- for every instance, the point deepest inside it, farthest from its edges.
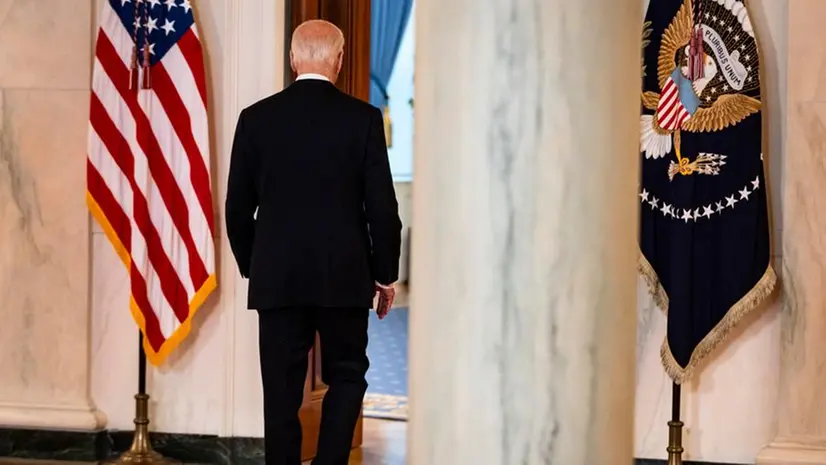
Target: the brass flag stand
(141, 451)
(675, 429)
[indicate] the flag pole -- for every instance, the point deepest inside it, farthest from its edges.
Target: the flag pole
(675, 428)
(141, 452)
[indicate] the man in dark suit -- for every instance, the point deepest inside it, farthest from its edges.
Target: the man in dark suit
(312, 219)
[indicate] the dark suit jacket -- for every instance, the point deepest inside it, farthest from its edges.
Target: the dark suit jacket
(313, 162)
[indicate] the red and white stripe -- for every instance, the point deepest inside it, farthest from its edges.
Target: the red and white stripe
(671, 113)
(148, 178)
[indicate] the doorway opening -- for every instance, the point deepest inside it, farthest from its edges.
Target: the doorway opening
(363, 22)
(392, 42)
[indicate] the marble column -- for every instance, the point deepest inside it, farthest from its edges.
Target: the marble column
(45, 62)
(524, 250)
(801, 429)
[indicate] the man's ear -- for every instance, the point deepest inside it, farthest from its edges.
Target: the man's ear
(292, 61)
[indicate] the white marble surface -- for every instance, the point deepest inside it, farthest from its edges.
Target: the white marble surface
(44, 44)
(793, 452)
(524, 247)
(44, 233)
(801, 427)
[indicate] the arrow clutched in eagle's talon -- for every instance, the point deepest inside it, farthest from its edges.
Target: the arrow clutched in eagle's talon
(705, 163)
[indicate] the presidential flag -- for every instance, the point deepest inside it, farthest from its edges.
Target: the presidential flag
(148, 173)
(704, 225)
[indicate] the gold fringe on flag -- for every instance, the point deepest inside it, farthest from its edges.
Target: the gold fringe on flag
(763, 289)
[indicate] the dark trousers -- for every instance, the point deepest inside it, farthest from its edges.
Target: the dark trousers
(286, 336)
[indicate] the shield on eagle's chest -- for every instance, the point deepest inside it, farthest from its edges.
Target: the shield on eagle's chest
(704, 227)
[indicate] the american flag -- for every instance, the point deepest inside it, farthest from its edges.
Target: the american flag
(148, 174)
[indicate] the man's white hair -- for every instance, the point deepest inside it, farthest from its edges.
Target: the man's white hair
(317, 41)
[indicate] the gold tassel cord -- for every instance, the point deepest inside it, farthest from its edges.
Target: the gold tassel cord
(146, 64)
(133, 63)
(756, 296)
(146, 68)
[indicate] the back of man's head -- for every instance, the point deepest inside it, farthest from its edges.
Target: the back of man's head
(317, 47)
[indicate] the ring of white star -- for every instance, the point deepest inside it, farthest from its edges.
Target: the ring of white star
(707, 211)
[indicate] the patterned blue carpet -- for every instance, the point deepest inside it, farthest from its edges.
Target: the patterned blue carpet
(387, 377)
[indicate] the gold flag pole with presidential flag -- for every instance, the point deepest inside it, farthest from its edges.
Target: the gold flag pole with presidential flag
(704, 225)
(148, 176)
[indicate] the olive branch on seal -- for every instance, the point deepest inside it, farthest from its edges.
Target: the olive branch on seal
(646, 33)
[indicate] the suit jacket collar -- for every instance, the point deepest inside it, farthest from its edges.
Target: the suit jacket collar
(312, 85)
(312, 76)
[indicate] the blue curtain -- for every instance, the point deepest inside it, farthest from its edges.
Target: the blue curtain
(388, 20)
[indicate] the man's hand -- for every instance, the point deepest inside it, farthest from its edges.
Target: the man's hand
(386, 296)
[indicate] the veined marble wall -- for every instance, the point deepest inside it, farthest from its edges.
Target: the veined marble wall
(44, 226)
(803, 399)
(801, 426)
